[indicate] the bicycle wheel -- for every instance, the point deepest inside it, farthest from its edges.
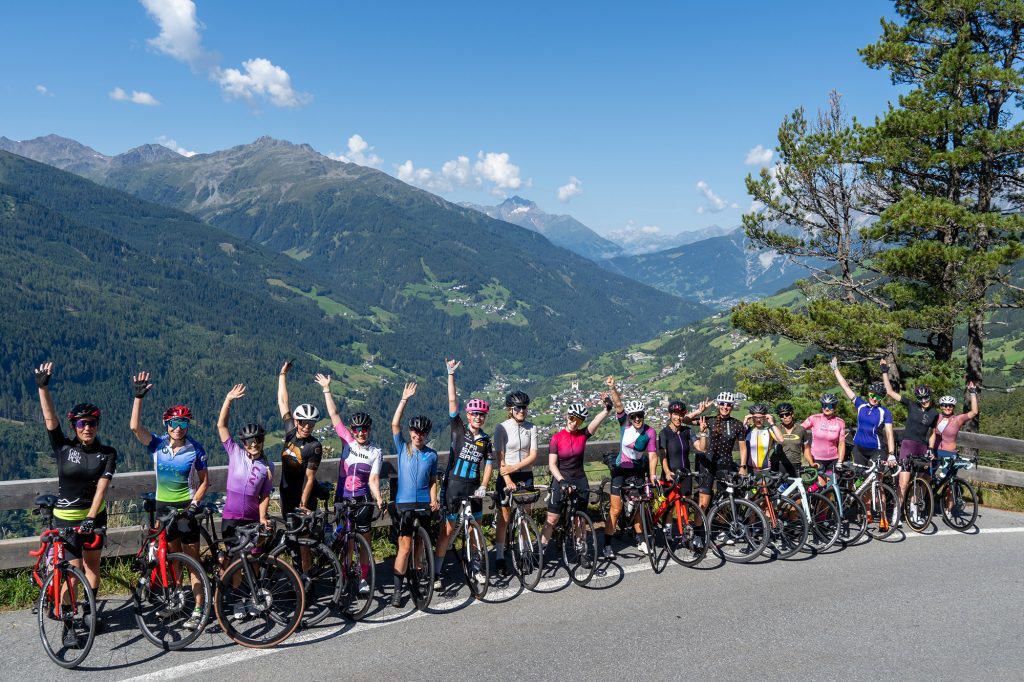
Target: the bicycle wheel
(789, 533)
(882, 510)
(738, 530)
(266, 611)
(210, 554)
(321, 581)
(685, 532)
(473, 559)
(525, 548)
(918, 504)
(66, 633)
(420, 572)
(355, 602)
(579, 548)
(823, 524)
(162, 611)
(647, 526)
(959, 505)
(854, 521)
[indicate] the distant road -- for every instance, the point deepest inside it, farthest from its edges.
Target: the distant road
(937, 606)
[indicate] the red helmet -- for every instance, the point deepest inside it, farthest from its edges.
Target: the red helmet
(478, 405)
(84, 411)
(180, 411)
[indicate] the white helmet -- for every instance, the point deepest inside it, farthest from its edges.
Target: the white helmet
(633, 406)
(947, 400)
(577, 410)
(726, 398)
(306, 412)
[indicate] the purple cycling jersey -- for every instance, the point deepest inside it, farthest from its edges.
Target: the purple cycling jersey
(248, 481)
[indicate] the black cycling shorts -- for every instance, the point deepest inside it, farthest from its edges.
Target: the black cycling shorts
(619, 476)
(709, 469)
(582, 494)
(458, 488)
(73, 547)
(864, 456)
(522, 479)
(186, 528)
(685, 486)
(406, 522)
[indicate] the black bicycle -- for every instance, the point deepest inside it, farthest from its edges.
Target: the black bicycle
(301, 543)
(420, 571)
(522, 536)
(352, 549)
(574, 533)
(956, 497)
(739, 531)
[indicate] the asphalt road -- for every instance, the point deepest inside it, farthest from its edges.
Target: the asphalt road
(937, 606)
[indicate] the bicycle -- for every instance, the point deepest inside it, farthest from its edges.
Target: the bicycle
(317, 566)
(637, 498)
(957, 497)
(852, 513)
(918, 503)
(164, 594)
(522, 530)
(472, 554)
(349, 546)
(879, 498)
(786, 523)
(574, 533)
(684, 528)
(738, 528)
(823, 521)
(259, 600)
(65, 596)
(420, 571)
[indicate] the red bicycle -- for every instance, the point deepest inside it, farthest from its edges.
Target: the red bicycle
(683, 525)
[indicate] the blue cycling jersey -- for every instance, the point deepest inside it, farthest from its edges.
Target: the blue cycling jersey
(415, 469)
(870, 424)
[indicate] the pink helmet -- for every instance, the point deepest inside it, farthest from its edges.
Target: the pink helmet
(477, 405)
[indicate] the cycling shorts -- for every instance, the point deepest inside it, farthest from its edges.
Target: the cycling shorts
(73, 547)
(458, 488)
(620, 475)
(520, 478)
(826, 466)
(186, 528)
(911, 448)
(406, 522)
(363, 517)
(709, 469)
(864, 456)
(685, 486)
(582, 494)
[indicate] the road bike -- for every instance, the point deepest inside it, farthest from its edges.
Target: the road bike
(523, 538)
(823, 521)
(420, 571)
(956, 497)
(787, 524)
(352, 549)
(918, 503)
(637, 500)
(470, 548)
(684, 528)
(574, 533)
(880, 500)
(737, 527)
(853, 516)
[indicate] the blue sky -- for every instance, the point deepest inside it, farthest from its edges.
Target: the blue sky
(652, 109)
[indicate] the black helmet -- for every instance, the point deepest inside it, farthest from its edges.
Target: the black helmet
(878, 388)
(421, 424)
(360, 420)
(923, 393)
(676, 406)
(784, 408)
(517, 399)
(252, 431)
(84, 411)
(758, 408)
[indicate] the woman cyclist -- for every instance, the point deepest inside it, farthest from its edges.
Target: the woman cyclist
(873, 420)
(948, 426)
(795, 449)
(417, 482)
(638, 442)
(828, 436)
(302, 452)
(358, 469)
(250, 473)
(84, 469)
(763, 436)
(565, 461)
(676, 440)
(515, 449)
(181, 477)
(723, 432)
(917, 434)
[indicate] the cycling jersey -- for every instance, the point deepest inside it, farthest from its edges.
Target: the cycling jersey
(635, 444)
(871, 421)
(759, 447)
(177, 472)
(723, 434)
(468, 452)
(515, 439)
(79, 470)
(792, 445)
(949, 429)
(249, 481)
(570, 446)
(676, 447)
(826, 432)
(918, 421)
(298, 456)
(358, 463)
(415, 469)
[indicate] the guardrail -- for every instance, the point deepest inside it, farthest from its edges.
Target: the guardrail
(130, 486)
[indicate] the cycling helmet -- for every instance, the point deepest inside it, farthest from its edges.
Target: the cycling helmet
(947, 400)
(577, 410)
(252, 431)
(830, 399)
(360, 420)
(84, 411)
(878, 388)
(923, 393)
(517, 399)
(758, 408)
(784, 408)
(676, 406)
(420, 424)
(179, 411)
(306, 412)
(633, 407)
(478, 405)
(726, 398)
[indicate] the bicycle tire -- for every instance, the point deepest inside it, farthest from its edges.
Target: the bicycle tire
(161, 612)
(823, 525)
(210, 554)
(579, 548)
(853, 522)
(420, 571)
(687, 539)
(647, 527)
(476, 570)
(880, 501)
(963, 512)
(526, 557)
(745, 530)
(265, 613)
(353, 604)
(918, 505)
(789, 533)
(83, 629)
(321, 583)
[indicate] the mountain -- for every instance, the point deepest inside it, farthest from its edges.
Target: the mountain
(61, 152)
(561, 230)
(719, 271)
(639, 240)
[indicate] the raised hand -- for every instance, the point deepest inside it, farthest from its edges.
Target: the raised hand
(43, 373)
(287, 366)
(610, 382)
(141, 385)
(452, 365)
(238, 391)
(324, 380)
(884, 366)
(834, 363)
(409, 390)
(703, 423)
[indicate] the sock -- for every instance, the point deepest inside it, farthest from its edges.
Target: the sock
(499, 550)
(399, 577)
(364, 569)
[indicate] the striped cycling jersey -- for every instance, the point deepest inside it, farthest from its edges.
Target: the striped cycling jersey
(760, 443)
(468, 453)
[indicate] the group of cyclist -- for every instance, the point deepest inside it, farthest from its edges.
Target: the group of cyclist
(689, 441)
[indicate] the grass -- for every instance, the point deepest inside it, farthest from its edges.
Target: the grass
(328, 305)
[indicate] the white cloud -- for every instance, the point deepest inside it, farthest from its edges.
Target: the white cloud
(574, 188)
(491, 169)
(257, 78)
(759, 156)
(137, 97)
(460, 173)
(360, 152)
(44, 91)
(715, 203)
(174, 146)
(495, 166)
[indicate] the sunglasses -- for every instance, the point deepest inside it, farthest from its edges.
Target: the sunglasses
(785, 414)
(177, 423)
(476, 415)
(85, 423)
(252, 441)
(307, 422)
(519, 409)
(826, 406)
(875, 396)
(729, 405)
(574, 419)
(422, 434)
(360, 429)
(638, 416)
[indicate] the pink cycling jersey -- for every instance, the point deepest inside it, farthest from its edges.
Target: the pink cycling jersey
(825, 433)
(949, 429)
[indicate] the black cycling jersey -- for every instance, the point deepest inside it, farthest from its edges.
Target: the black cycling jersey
(468, 454)
(299, 454)
(675, 445)
(723, 434)
(79, 470)
(918, 421)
